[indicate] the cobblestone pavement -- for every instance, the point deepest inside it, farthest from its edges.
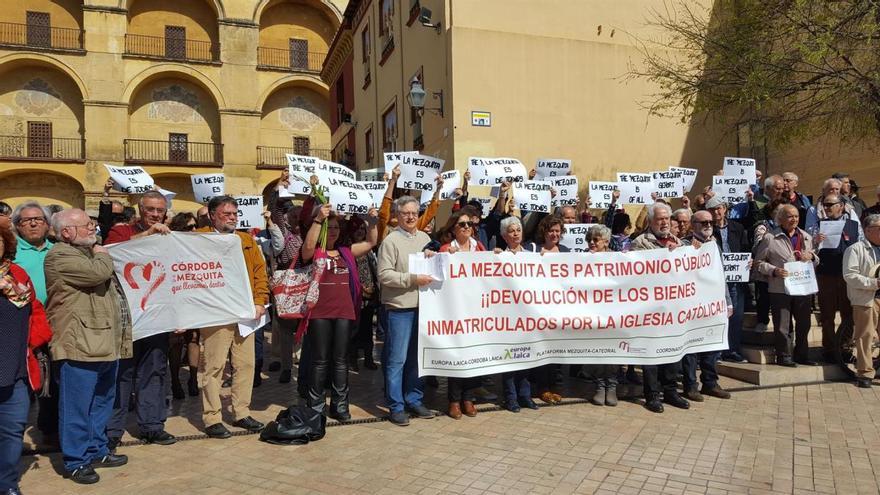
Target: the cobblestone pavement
(806, 439)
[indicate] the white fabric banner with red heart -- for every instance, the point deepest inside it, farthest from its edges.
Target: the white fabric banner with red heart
(183, 281)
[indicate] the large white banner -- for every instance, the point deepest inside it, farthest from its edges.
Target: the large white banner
(507, 312)
(183, 281)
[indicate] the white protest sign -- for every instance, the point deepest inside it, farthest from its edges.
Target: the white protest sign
(207, 186)
(131, 180)
(300, 169)
(688, 176)
(349, 196)
(551, 167)
(395, 158)
(668, 184)
(575, 237)
(250, 212)
(376, 188)
(601, 194)
(417, 172)
(832, 229)
(499, 314)
(433, 266)
(635, 189)
(494, 171)
(168, 195)
(740, 167)
(566, 190)
(532, 195)
(171, 280)
(736, 266)
(801, 279)
(326, 170)
(731, 190)
(451, 182)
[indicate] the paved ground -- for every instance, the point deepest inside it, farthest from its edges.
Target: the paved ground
(809, 439)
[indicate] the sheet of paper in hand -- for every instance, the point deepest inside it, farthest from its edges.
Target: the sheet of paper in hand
(301, 169)
(377, 189)
(601, 194)
(731, 190)
(494, 171)
(131, 180)
(349, 196)
(635, 189)
(250, 212)
(451, 182)
(532, 195)
(418, 172)
(688, 177)
(575, 237)
(566, 190)
(551, 167)
(736, 266)
(207, 186)
(668, 184)
(740, 167)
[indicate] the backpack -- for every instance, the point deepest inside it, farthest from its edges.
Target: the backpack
(296, 425)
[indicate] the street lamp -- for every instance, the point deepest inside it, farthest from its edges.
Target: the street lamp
(417, 96)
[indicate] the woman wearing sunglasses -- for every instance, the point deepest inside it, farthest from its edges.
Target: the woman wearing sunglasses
(459, 231)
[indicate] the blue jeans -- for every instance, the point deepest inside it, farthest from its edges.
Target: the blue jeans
(735, 322)
(516, 386)
(708, 373)
(84, 409)
(403, 387)
(14, 404)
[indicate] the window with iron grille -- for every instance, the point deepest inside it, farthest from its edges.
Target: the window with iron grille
(39, 140)
(39, 30)
(389, 129)
(178, 147)
(175, 42)
(301, 145)
(299, 54)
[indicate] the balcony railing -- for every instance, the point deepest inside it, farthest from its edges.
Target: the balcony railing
(40, 37)
(173, 153)
(172, 48)
(290, 60)
(274, 157)
(42, 149)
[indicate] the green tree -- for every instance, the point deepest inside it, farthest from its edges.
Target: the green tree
(800, 68)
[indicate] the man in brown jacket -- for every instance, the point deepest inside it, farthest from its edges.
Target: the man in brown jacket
(222, 340)
(91, 334)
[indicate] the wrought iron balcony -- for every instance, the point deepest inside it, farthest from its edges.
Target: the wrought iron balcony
(40, 37)
(42, 149)
(168, 48)
(290, 60)
(148, 152)
(274, 157)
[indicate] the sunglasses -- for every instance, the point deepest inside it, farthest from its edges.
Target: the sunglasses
(829, 205)
(705, 222)
(466, 225)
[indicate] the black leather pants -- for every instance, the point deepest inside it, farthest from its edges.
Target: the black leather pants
(328, 350)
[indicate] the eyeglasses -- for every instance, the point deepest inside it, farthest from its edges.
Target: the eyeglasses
(153, 209)
(90, 225)
(32, 221)
(829, 205)
(703, 222)
(466, 225)
(408, 213)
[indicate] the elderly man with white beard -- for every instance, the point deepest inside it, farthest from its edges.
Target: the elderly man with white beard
(703, 232)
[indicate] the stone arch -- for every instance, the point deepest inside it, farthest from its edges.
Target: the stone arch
(173, 70)
(18, 185)
(292, 80)
(327, 6)
(217, 5)
(295, 111)
(22, 59)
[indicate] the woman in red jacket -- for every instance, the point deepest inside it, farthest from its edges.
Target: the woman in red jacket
(23, 327)
(460, 232)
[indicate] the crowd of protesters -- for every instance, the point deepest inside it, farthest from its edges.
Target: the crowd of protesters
(67, 331)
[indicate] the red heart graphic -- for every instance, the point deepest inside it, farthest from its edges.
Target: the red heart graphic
(146, 274)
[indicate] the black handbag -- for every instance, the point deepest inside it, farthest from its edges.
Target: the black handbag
(296, 425)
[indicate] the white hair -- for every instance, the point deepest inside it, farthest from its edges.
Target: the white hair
(871, 220)
(652, 210)
(781, 209)
(600, 231)
(771, 181)
(403, 201)
(507, 222)
(791, 176)
(62, 219)
(829, 182)
(679, 211)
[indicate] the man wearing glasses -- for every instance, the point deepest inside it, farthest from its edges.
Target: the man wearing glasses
(89, 338)
(31, 222)
(146, 372)
(829, 273)
(861, 270)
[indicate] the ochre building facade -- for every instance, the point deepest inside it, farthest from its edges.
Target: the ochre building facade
(180, 87)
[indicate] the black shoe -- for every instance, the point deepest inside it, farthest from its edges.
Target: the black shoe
(421, 412)
(632, 377)
(111, 461)
(806, 362)
(528, 403)
(673, 399)
(160, 437)
(787, 362)
(512, 406)
(341, 416)
(85, 475)
(370, 364)
(217, 431)
(112, 443)
(177, 391)
(654, 405)
(399, 418)
(284, 377)
(249, 424)
(275, 366)
(192, 387)
(863, 382)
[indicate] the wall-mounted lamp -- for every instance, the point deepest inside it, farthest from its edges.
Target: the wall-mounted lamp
(425, 19)
(417, 96)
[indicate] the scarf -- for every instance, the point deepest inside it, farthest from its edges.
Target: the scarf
(18, 293)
